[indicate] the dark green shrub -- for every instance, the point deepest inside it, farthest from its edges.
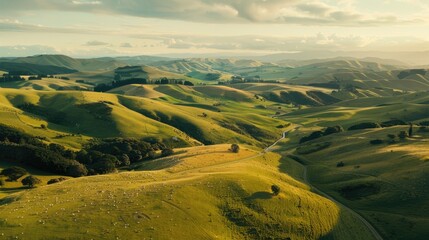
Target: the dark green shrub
(403, 135)
(376, 141)
(393, 122)
(332, 130)
(365, 125)
(56, 180)
(235, 148)
(275, 189)
(167, 152)
(77, 170)
(31, 181)
(312, 136)
(13, 173)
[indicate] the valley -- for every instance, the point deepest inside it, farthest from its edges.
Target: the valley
(151, 147)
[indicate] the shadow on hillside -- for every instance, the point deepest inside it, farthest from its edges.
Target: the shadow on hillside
(260, 195)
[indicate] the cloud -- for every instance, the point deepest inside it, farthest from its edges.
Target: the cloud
(22, 50)
(95, 43)
(126, 45)
(86, 2)
(303, 12)
(268, 44)
(12, 25)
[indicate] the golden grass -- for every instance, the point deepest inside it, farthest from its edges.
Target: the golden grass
(202, 197)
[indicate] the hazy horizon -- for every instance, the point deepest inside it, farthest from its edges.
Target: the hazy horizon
(127, 28)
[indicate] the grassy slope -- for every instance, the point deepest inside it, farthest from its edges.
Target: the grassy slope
(90, 120)
(230, 193)
(394, 198)
(153, 73)
(14, 187)
(46, 84)
(178, 114)
(226, 107)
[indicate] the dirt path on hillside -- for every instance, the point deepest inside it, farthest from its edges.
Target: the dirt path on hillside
(320, 192)
(197, 174)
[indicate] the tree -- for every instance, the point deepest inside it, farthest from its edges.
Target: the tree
(77, 170)
(340, 164)
(410, 130)
(235, 148)
(275, 189)
(31, 181)
(402, 135)
(167, 152)
(124, 159)
(13, 173)
(151, 154)
(165, 80)
(56, 180)
(188, 83)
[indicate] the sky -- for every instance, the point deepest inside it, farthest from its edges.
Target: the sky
(90, 28)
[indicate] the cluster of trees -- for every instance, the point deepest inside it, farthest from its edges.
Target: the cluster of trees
(106, 155)
(402, 135)
(165, 80)
(212, 76)
(250, 79)
(364, 125)
(319, 134)
(11, 78)
(119, 83)
(99, 157)
(14, 173)
(367, 125)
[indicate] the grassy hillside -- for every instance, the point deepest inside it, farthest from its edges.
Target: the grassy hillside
(291, 94)
(15, 187)
(152, 73)
(231, 199)
(71, 115)
(71, 63)
(46, 84)
(34, 69)
(384, 181)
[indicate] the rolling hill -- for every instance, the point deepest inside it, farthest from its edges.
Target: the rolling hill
(231, 199)
(33, 69)
(75, 113)
(383, 178)
(83, 65)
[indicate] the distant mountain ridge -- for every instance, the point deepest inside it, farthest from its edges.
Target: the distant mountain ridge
(83, 65)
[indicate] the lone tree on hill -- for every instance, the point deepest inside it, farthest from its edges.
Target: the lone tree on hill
(13, 173)
(410, 130)
(31, 181)
(275, 189)
(235, 148)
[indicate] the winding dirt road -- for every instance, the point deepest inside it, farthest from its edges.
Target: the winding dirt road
(320, 192)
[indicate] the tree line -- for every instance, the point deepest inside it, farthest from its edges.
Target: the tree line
(119, 83)
(98, 157)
